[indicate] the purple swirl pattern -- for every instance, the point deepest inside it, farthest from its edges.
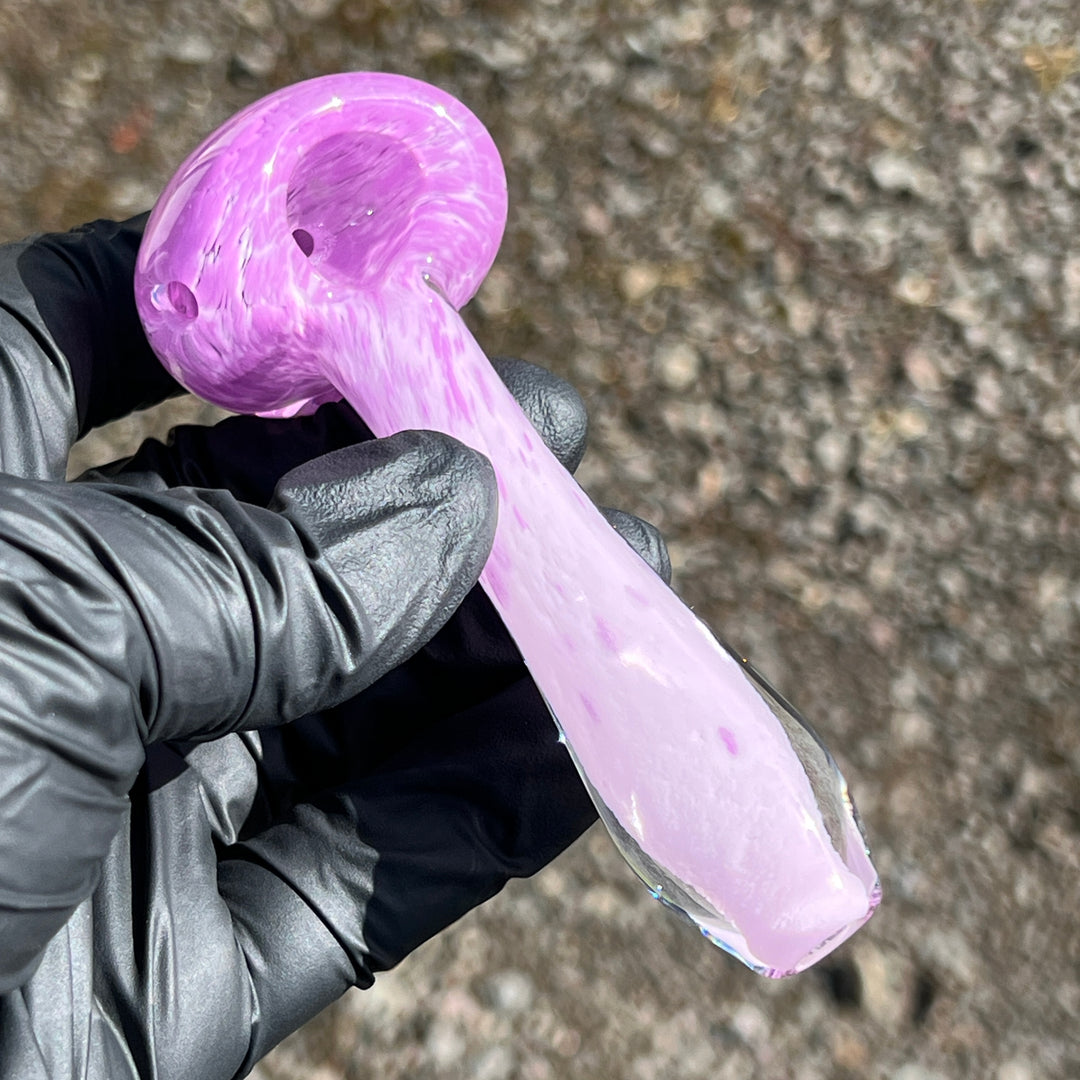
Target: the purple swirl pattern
(318, 245)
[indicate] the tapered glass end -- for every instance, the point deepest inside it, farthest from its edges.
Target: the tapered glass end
(781, 942)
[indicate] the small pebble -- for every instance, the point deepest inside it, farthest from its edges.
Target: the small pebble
(1014, 1070)
(510, 991)
(833, 451)
(314, 9)
(445, 1043)
(678, 365)
(494, 1063)
(190, 48)
(896, 172)
(7, 97)
(638, 280)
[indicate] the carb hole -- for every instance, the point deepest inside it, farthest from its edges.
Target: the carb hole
(304, 241)
(175, 297)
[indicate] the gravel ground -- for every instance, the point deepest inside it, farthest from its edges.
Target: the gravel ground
(812, 263)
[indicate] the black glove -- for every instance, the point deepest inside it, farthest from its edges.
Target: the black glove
(186, 877)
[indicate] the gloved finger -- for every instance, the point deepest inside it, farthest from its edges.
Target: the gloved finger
(247, 455)
(127, 617)
(72, 345)
(390, 858)
(643, 537)
(552, 405)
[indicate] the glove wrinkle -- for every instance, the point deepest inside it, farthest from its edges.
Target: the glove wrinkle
(38, 420)
(175, 982)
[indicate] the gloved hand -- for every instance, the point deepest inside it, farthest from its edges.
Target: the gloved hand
(241, 766)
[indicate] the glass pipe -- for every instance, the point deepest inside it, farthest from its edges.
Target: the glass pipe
(318, 246)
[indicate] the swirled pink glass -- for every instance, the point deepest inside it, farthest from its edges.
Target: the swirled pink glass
(318, 245)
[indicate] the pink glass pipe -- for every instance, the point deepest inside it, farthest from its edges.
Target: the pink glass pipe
(318, 245)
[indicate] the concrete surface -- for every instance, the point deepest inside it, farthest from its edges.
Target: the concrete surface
(814, 266)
